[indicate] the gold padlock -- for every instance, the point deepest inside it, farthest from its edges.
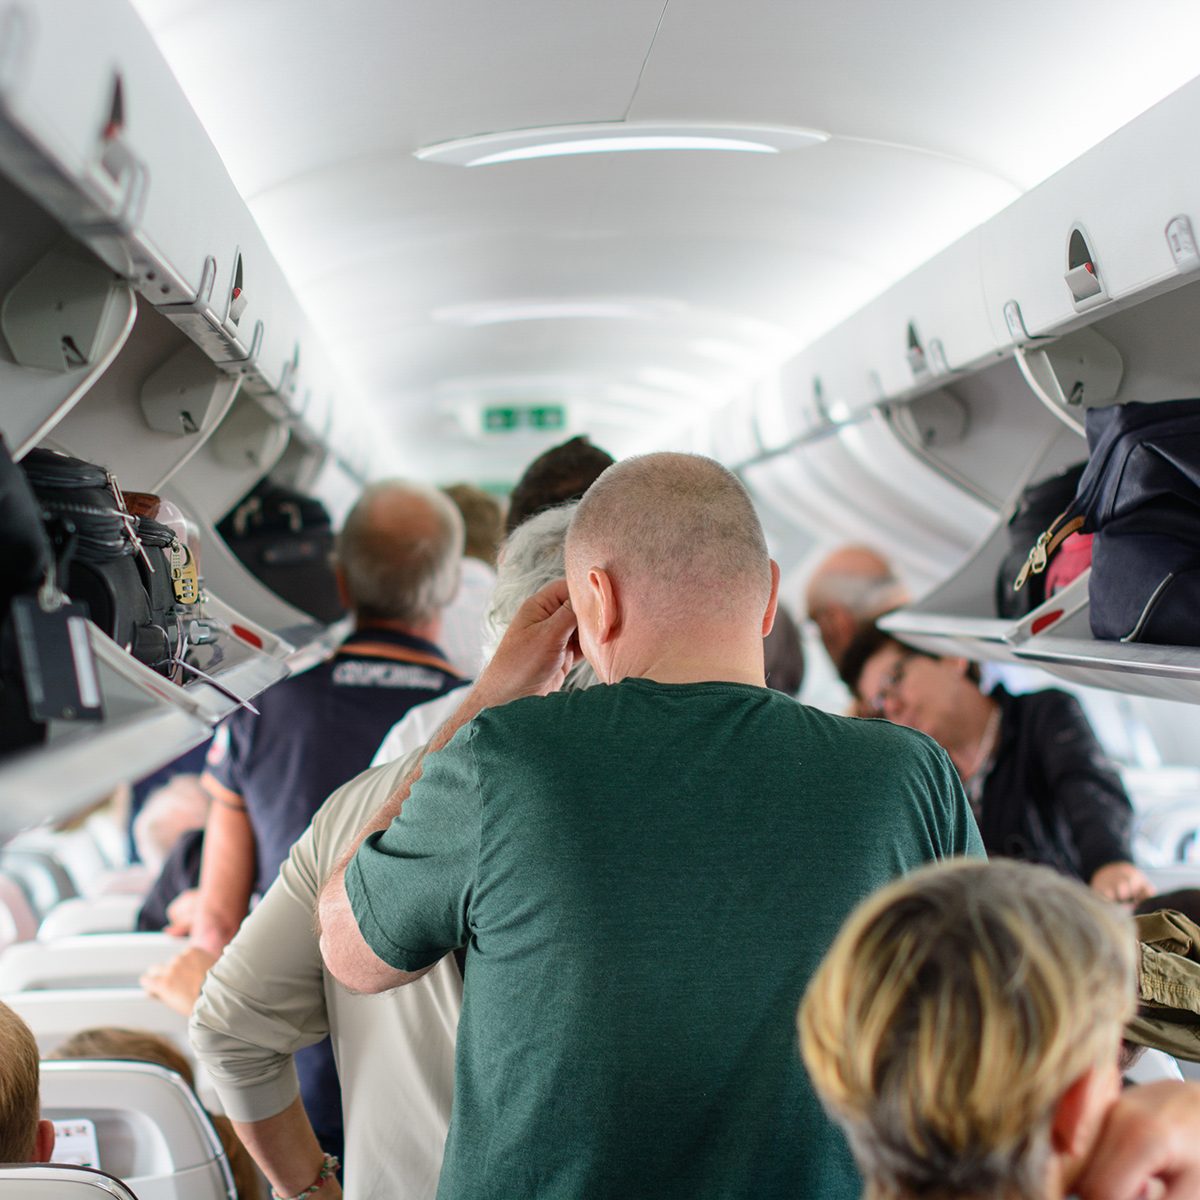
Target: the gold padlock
(185, 579)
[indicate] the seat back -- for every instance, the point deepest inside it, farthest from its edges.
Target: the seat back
(94, 960)
(75, 849)
(54, 1015)
(18, 921)
(150, 1129)
(49, 1181)
(114, 913)
(45, 879)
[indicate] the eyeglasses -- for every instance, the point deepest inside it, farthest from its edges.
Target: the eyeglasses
(877, 704)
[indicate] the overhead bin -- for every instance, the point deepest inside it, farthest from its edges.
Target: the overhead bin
(1096, 233)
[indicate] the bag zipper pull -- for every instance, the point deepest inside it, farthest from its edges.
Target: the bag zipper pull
(1035, 564)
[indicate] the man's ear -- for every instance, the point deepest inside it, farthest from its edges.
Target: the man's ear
(43, 1143)
(773, 603)
(1077, 1116)
(608, 605)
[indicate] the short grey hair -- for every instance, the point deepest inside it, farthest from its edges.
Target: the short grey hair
(400, 552)
(532, 557)
(677, 527)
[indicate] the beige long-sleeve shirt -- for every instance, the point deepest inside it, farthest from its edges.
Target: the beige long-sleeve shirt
(269, 995)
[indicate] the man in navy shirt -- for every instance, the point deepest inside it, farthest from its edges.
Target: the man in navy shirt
(398, 565)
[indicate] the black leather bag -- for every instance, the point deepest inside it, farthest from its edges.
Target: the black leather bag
(124, 581)
(1039, 505)
(1140, 496)
(25, 551)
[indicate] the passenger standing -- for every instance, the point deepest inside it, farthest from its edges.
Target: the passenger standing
(397, 563)
(645, 874)
(848, 590)
(269, 994)
(462, 623)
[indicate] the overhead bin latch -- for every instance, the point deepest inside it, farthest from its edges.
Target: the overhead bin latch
(1182, 243)
(916, 353)
(1083, 276)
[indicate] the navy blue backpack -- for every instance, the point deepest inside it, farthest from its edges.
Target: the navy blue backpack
(1140, 496)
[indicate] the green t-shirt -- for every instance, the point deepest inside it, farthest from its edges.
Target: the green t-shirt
(646, 876)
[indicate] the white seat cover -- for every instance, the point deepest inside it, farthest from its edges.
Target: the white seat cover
(54, 1015)
(114, 913)
(150, 1129)
(47, 1181)
(91, 960)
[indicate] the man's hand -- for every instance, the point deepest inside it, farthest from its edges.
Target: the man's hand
(537, 651)
(1148, 1147)
(181, 913)
(1122, 882)
(177, 983)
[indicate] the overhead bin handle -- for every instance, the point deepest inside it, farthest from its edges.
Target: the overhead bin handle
(1083, 276)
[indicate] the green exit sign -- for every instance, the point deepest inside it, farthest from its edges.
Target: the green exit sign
(502, 418)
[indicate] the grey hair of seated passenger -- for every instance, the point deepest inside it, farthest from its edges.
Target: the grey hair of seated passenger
(531, 557)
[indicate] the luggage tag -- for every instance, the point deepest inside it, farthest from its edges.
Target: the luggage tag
(55, 653)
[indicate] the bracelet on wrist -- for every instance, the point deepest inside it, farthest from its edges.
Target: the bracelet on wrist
(328, 1169)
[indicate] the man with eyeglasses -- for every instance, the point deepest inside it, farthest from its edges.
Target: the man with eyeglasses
(1039, 782)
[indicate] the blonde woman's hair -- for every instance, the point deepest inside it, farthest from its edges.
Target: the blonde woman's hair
(952, 1013)
(20, 1107)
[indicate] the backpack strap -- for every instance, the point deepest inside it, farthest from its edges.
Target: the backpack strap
(1047, 543)
(398, 654)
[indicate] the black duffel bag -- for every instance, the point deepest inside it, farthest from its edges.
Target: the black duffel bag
(1140, 496)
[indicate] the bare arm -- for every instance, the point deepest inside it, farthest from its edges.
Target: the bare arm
(227, 869)
(533, 659)
(287, 1150)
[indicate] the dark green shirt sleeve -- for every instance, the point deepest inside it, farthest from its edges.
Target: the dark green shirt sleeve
(964, 837)
(410, 886)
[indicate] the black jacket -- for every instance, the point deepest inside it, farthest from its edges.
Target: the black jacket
(1053, 796)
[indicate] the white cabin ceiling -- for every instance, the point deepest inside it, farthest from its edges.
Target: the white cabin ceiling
(641, 290)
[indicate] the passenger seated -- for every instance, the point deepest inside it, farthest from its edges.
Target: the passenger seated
(964, 1028)
(24, 1136)
(169, 834)
(169, 812)
(1039, 782)
(106, 1043)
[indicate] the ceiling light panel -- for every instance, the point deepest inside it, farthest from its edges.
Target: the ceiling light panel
(491, 149)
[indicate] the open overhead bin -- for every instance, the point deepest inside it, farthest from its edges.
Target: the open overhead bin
(148, 330)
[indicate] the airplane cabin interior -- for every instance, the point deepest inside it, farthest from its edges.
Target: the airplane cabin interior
(889, 264)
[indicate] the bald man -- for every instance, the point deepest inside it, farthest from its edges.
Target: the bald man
(645, 874)
(849, 589)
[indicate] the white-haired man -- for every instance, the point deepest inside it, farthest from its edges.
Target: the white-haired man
(644, 874)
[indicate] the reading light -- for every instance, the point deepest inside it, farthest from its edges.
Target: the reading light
(610, 137)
